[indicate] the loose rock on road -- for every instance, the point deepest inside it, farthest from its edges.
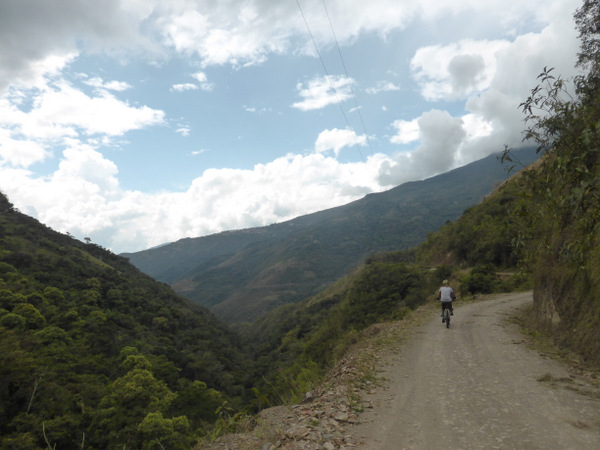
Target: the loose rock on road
(478, 385)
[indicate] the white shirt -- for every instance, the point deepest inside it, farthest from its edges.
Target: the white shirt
(446, 294)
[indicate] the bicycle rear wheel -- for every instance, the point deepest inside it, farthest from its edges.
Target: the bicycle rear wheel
(447, 317)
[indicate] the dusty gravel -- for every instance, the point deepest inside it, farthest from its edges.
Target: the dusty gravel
(478, 385)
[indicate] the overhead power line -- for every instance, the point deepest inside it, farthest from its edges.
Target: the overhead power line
(346, 73)
(328, 76)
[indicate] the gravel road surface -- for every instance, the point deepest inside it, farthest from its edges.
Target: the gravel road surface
(477, 385)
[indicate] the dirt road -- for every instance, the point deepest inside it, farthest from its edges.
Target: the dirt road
(478, 385)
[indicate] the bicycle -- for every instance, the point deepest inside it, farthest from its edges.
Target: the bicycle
(446, 313)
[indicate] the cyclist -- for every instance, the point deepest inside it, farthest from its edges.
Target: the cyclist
(445, 295)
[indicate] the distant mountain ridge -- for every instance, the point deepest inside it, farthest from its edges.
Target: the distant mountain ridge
(242, 274)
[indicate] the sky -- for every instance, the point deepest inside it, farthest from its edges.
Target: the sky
(140, 122)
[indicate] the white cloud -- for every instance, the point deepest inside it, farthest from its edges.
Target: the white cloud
(36, 75)
(456, 70)
(65, 109)
(223, 33)
(323, 91)
(407, 131)
(201, 78)
(382, 86)
(337, 139)
(254, 110)
(246, 32)
(60, 112)
(494, 116)
(36, 35)
(83, 197)
(184, 87)
(82, 162)
(476, 127)
(492, 91)
(282, 189)
(99, 83)
(440, 137)
(238, 32)
(75, 197)
(20, 152)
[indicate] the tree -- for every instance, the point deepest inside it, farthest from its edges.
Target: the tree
(12, 321)
(129, 400)
(33, 318)
(8, 299)
(587, 19)
(160, 432)
(198, 402)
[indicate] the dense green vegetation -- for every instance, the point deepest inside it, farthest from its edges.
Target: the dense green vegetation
(98, 355)
(561, 223)
(547, 221)
(295, 344)
(483, 242)
(95, 352)
(484, 234)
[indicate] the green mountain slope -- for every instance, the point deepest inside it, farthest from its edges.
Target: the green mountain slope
(293, 345)
(95, 352)
(241, 274)
(542, 226)
(551, 220)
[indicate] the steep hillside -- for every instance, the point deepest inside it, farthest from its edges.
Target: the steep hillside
(483, 234)
(552, 226)
(543, 227)
(96, 353)
(293, 345)
(240, 275)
